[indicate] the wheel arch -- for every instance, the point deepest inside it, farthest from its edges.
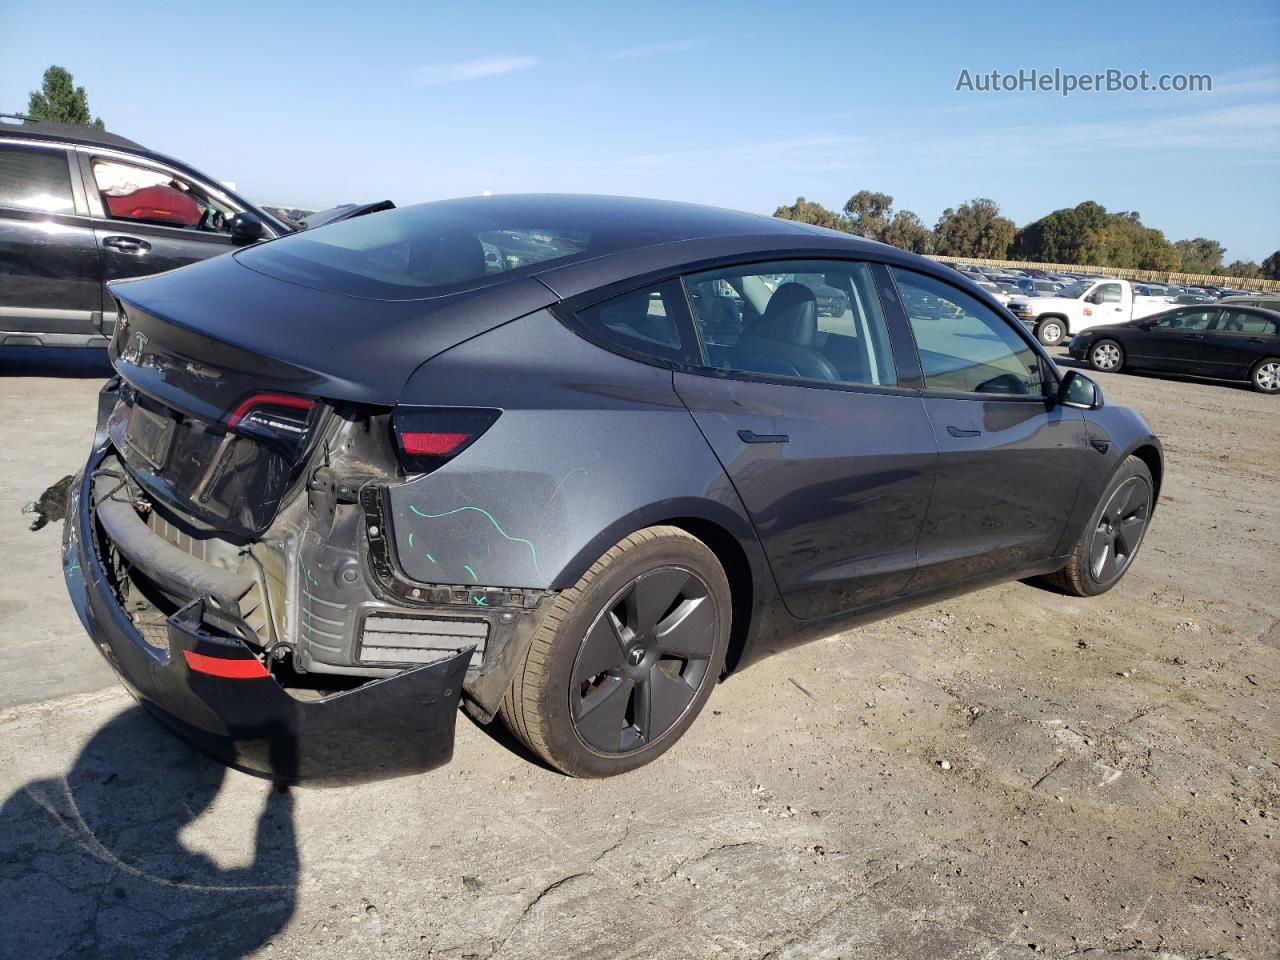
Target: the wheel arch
(1060, 317)
(1151, 455)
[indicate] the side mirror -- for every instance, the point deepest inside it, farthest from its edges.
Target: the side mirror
(1094, 297)
(245, 229)
(1077, 390)
(1145, 325)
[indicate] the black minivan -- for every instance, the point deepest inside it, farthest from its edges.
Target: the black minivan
(80, 207)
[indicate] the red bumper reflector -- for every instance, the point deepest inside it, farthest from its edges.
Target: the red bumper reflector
(218, 667)
(432, 444)
(285, 400)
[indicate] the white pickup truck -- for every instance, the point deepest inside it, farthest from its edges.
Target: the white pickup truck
(1084, 304)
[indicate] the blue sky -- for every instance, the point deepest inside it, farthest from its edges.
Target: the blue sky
(740, 104)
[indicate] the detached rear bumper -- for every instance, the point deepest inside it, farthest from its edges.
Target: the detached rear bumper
(232, 709)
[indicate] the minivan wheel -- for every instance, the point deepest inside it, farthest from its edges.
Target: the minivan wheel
(1111, 538)
(1107, 356)
(623, 661)
(1266, 375)
(1050, 332)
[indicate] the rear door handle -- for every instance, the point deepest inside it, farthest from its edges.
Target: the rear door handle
(750, 436)
(127, 244)
(1194, 336)
(957, 432)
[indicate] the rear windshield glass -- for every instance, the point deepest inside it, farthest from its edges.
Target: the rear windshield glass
(431, 249)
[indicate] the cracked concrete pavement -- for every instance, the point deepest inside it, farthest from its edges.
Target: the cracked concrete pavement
(1110, 786)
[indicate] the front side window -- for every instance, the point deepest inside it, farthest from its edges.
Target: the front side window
(1186, 320)
(131, 192)
(1238, 321)
(964, 346)
(642, 323)
(1107, 293)
(35, 180)
(815, 320)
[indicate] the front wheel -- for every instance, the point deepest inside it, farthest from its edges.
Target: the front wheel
(1266, 375)
(1112, 536)
(1050, 332)
(624, 660)
(1107, 356)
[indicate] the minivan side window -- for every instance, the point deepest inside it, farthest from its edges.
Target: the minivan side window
(964, 346)
(131, 192)
(641, 323)
(812, 320)
(35, 180)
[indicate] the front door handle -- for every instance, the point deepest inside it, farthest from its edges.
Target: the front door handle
(750, 436)
(127, 244)
(957, 432)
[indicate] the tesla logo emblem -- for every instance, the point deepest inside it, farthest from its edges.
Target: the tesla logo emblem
(635, 655)
(132, 352)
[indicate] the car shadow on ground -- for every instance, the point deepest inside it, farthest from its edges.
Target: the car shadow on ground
(54, 362)
(92, 863)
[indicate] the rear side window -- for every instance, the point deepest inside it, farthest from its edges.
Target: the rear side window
(813, 320)
(35, 180)
(641, 323)
(964, 346)
(1237, 321)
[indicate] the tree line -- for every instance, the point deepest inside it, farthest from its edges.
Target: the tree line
(1085, 234)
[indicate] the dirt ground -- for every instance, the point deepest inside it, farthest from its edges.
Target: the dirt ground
(1014, 773)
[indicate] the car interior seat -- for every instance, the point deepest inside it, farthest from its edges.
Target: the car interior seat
(783, 339)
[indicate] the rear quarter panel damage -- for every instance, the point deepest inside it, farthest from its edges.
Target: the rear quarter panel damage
(590, 447)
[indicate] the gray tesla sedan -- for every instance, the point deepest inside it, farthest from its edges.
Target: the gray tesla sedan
(566, 460)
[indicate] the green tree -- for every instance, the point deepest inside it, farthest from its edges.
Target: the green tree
(1200, 255)
(908, 232)
(805, 211)
(1245, 269)
(59, 99)
(1071, 235)
(869, 213)
(975, 229)
(1271, 266)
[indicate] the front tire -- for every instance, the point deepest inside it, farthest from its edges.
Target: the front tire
(1106, 356)
(1051, 332)
(1266, 375)
(1111, 538)
(624, 660)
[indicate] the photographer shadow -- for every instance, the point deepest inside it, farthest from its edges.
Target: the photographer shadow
(92, 863)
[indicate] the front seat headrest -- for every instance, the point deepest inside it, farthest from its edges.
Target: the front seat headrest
(447, 259)
(791, 315)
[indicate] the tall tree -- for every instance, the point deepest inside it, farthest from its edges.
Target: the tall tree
(806, 211)
(1200, 255)
(59, 99)
(869, 213)
(1271, 266)
(975, 229)
(908, 232)
(1246, 269)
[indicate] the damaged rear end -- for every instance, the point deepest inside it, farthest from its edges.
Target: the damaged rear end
(228, 543)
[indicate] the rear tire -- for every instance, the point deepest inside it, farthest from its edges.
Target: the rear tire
(1051, 332)
(1106, 356)
(1113, 535)
(624, 660)
(1265, 376)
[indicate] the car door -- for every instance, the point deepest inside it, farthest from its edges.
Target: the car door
(49, 272)
(833, 458)
(1170, 341)
(1106, 306)
(1010, 459)
(149, 218)
(1237, 340)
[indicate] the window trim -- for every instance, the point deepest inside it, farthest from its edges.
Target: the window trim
(1236, 308)
(1052, 376)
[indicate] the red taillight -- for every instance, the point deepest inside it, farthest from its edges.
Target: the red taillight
(431, 444)
(265, 402)
(428, 436)
(245, 669)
